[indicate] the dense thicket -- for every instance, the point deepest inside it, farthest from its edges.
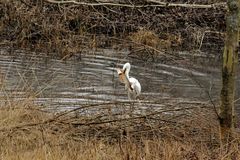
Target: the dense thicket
(66, 28)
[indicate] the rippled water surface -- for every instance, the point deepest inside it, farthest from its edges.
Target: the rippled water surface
(91, 77)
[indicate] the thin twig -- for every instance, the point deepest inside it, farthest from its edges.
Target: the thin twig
(208, 94)
(132, 118)
(55, 118)
(158, 4)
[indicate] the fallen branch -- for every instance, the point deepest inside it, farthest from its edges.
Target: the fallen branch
(56, 118)
(158, 4)
(134, 118)
(185, 5)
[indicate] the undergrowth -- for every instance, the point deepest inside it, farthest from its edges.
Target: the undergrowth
(70, 29)
(29, 132)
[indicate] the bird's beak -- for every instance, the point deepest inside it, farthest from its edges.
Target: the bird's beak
(121, 75)
(119, 71)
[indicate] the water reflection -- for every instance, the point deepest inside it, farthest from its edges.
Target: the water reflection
(69, 83)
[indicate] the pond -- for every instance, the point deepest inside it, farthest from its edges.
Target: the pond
(91, 77)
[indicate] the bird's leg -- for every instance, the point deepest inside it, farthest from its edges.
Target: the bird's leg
(129, 95)
(139, 102)
(131, 109)
(126, 87)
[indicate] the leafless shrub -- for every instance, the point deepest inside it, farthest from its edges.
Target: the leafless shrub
(68, 29)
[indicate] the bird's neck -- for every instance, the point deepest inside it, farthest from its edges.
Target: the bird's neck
(127, 72)
(127, 82)
(127, 75)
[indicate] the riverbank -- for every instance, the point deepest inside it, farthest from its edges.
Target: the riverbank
(30, 132)
(73, 107)
(67, 29)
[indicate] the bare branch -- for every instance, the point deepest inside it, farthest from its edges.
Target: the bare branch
(214, 5)
(158, 4)
(207, 93)
(57, 117)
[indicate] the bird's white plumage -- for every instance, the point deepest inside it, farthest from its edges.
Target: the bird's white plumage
(132, 85)
(135, 85)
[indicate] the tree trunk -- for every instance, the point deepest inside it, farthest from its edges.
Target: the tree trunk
(230, 60)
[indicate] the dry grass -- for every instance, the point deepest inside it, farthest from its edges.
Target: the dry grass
(148, 45)
(145, 37)
(150, 39)
(29, 132)
(70, 29)
(43, 27)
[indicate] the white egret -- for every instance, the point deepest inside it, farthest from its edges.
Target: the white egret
(132, 85)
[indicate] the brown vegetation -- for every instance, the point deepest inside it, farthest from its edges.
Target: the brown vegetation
(188, 132)
(67, 29)
(146, 43)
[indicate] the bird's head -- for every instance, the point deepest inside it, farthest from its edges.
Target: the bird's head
(121, 75)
